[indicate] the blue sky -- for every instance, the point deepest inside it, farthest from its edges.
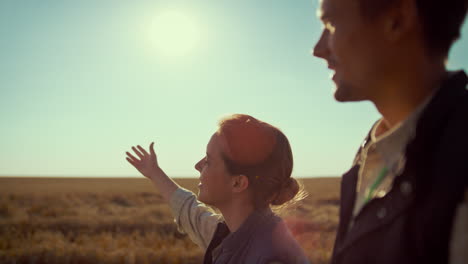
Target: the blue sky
(83, 81)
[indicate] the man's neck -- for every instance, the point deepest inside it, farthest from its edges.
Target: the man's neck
(235, 214)
(404, 96)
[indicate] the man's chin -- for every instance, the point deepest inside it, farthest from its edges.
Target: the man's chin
(344, 99)
(346, 94)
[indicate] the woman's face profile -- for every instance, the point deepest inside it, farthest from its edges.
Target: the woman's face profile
(215, 180)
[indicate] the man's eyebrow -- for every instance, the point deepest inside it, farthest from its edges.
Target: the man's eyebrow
(323, 15)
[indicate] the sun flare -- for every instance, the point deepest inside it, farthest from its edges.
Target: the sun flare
(174, 33)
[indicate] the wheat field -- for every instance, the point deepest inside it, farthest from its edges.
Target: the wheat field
(124, 220)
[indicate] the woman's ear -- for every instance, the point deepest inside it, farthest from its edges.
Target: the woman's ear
(240, 183)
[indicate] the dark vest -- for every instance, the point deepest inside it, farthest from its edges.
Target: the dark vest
(413, 222)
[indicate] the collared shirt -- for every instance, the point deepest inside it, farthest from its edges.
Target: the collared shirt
(384, 151)
(262, 238)
(388, 150)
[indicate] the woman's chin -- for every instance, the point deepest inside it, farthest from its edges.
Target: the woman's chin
(201, 198)
(200, 194)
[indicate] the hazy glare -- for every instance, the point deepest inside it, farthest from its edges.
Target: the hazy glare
(83, 81)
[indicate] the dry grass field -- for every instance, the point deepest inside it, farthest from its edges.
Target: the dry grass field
(116, 220)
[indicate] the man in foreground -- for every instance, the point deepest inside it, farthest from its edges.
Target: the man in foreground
(405, 199)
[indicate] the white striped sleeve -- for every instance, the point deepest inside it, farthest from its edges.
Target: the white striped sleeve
(193, 217)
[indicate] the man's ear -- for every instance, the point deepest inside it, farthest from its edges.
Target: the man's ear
(403, 18)
(240, 183)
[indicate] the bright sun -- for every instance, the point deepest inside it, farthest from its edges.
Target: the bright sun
(174, 33)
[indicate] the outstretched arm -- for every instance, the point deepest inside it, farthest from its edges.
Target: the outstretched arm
(147, 164)
(192, 216)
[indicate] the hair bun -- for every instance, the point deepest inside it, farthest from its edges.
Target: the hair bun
(287, 192)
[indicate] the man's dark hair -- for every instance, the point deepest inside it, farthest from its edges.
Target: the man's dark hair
(441, 20)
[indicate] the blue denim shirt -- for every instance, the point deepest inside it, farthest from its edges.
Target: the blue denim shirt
(262, 238)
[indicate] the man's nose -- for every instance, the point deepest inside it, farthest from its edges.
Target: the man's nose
(321, 47)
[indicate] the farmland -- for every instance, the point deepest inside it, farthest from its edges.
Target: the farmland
(124, 220)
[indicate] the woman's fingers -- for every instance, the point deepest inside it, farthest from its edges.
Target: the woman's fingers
(137, 152)
(152, 149)
(130, 161)
(131, 157)
(143, 150)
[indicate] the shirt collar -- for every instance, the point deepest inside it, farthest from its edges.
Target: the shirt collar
(457, 80)
(391, 144)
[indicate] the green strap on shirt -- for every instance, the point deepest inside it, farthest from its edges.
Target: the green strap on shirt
(376, 184)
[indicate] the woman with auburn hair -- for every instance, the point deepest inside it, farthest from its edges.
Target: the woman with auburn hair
(247, 169)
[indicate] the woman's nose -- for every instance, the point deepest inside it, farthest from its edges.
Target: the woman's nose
(198, 166)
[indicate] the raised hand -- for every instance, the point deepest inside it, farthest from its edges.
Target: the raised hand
(146, 163)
